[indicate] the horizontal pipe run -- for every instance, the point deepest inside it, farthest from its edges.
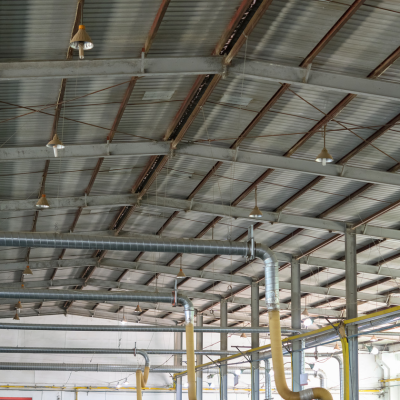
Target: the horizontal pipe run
(55, 350)
(11, 366)
(140, 328)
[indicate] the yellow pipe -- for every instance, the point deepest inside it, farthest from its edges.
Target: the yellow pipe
(346, 369)
(190, 361)
(294, 337)
(141, 380)
(277, 363)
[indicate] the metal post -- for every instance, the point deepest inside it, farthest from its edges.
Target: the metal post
(224, 346)
(199, 358)
(351, 307)
(178, 362)
(255, 342)
(296, 324)
(268, 388)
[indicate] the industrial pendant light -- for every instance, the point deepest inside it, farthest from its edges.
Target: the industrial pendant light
(123, 321)
(243, 335)
(138, 309)
(18, 305)
(43, 203)
(16, 316)
(256, 212)
(324, 157)
(374, 338)
(305, 312)
(27, 271)
(336, 346)
(56, 144)
(81, 40)
(181, 274)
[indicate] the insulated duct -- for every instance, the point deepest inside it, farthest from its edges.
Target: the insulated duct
(163, 245)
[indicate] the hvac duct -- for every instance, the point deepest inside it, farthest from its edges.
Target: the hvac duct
(139, 328)
(179, 246)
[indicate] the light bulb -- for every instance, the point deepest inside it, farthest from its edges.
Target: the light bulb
(307, 322)
(324, 161)
(212, 386)
(126, 382)
(185, 385)
(237, 372)
(374, 350)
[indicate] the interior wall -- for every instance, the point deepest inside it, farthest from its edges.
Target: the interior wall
(370, 371)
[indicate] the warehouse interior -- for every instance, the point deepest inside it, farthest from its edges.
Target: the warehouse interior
(199, 199)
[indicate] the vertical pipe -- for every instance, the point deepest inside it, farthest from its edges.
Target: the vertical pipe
(296, 324)
(224, 346)
(178, 362)
(255, 342)
(268, 388)
(351, 307)
(199, 358)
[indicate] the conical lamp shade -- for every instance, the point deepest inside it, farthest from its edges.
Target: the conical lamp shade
(255, 213)
(336, 346)
(16, 316)
(243, 335)
(55, 142)
(324, 155)
(18, 305)
(27, 271)
(374, 339)
(138, 309)
(124, 321)
(181, 274)
(81, 41)
(43, 203)
(305, 312)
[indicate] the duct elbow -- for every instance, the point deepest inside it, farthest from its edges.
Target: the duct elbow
(145, 356)
(271, 267)
(188, 308)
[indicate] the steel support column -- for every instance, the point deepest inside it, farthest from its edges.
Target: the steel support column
(178, 362)
(224, 346)
(255, 342)
(351, 308)
(296, 324)
(199, 358)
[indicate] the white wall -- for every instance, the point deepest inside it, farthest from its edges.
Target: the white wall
(370, 372)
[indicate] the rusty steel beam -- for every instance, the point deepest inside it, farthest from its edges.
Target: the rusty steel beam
(332, 32)
(156, 25)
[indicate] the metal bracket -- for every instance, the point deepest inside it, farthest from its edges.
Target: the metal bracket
(236, 154)
(190, 206)
(251, 243)
(85, 199)
(142, 62)
(307, 73)
(342, 171)
(108, 146)
(134, 350)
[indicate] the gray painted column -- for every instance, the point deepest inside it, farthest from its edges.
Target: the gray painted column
(178, 362)
(199, 358)
(296, 324)
(224, 346)
(255, 342)
(351, 307)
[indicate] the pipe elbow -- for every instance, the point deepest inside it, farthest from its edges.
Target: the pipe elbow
(264, 253)
(145, 356)
(188, 308)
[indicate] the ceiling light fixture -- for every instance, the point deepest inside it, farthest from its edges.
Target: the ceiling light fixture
(18, 305)
(43, 203)
(324, 157)
(56, 144)
(27, 271)
(374, 339)
(181, 274)
(81, 40)
(256, 212)
(373, 350)
(16, 316)
(336, 346)
(305, 312)
(138, 309)
(308, 321)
